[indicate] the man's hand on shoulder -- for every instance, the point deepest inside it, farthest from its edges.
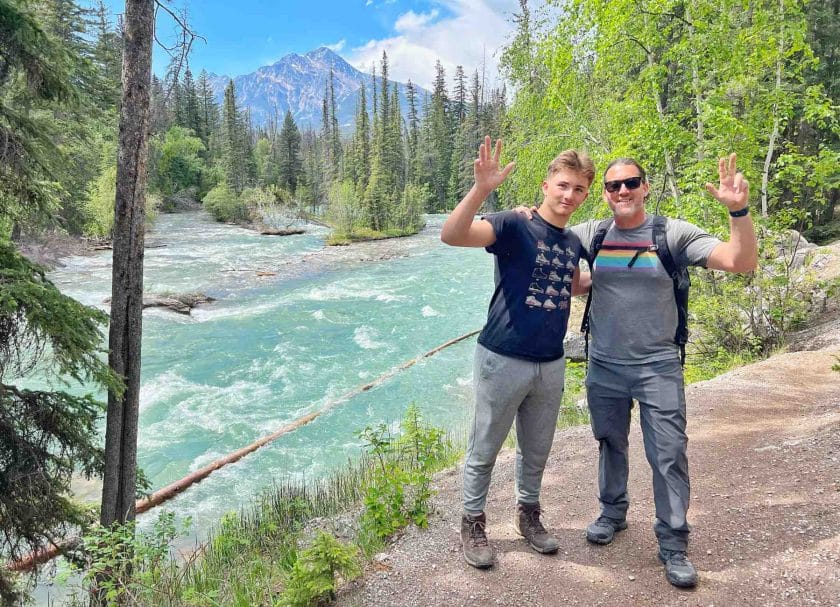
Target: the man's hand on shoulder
(525, 211)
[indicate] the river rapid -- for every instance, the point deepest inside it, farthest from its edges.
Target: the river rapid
(296, 325)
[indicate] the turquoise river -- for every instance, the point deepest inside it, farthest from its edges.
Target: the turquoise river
(321, 322)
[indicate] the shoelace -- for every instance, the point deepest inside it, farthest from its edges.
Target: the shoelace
(477, 534)
(536, 523)
(677, 558)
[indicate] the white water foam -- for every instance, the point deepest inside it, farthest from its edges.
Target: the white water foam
(218, 312)
(365, 336)
(428, 311)
(340, 292)
(162, 387)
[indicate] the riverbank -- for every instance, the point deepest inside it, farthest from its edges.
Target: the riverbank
(49, 249)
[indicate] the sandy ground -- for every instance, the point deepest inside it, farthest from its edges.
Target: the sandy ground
(764, 452)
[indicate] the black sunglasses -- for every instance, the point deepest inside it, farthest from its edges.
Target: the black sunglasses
(614, 186)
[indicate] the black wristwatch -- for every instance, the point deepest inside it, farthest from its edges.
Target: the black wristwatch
(740, 212)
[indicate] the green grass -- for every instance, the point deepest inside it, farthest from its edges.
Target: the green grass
(337, 238)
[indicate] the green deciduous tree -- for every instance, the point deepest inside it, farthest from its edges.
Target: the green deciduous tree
(178, 163)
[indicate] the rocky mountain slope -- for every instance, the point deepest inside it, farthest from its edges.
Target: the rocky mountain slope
(298, 82)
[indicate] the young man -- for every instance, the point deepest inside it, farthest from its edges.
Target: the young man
(519, 365)
(633, 320)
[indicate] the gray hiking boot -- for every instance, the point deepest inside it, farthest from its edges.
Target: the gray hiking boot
(477, 551)
(678, 569)
(603, 530)
(527, 524)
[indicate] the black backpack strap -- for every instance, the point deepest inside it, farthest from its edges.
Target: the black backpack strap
(679, 275)
(597, 242)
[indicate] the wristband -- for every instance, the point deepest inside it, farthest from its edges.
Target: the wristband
(740, 212)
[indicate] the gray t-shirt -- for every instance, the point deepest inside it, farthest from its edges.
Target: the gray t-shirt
(633, 317)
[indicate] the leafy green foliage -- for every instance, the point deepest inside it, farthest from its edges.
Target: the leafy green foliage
(122, 564)
(698, 80)
(225, 205)
(751, 315)
(399, 492)
(178, 164)
(312, 579)
(344, 210)
(101, 197)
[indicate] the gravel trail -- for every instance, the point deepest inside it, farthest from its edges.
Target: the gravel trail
(764, 451)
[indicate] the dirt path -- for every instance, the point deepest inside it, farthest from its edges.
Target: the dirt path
(764, 452)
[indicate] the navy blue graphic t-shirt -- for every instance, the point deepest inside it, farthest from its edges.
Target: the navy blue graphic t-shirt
(529, 310)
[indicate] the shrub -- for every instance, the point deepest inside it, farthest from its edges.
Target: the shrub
(344, 212)
(752, 314)
(399, 491)
(225, 205)
(313, 576)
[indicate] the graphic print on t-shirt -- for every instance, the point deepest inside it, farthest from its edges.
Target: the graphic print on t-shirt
(617, 257)
(558, 281)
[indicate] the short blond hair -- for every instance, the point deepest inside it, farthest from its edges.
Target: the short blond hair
(572, 160)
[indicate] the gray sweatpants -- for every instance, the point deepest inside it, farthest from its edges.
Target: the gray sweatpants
(659, 388)
(508, 388)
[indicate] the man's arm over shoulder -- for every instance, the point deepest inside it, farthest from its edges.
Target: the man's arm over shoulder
(585, 231)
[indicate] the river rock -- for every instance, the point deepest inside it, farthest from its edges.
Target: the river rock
(281, 231)
(794, 248)
(575, 347)
(181, 303)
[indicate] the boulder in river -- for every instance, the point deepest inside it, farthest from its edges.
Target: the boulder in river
(181, 303)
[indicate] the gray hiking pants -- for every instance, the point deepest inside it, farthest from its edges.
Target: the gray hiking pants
(508, 388)
(659, 389)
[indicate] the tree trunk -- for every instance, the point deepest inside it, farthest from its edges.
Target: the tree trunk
(119, 486)
(670, 173)
(771, 144)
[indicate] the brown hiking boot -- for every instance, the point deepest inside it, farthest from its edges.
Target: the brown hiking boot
(527, 524)
(477, 551)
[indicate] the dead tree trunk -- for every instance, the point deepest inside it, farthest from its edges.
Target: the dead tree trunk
(118, 491)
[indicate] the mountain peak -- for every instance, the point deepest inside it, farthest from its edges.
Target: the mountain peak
(297, 83)
(323, 51)
(328, 57)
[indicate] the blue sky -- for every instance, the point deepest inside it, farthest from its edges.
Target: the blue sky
(243, 35)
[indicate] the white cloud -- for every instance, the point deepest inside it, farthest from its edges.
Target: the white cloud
(473, 35)
(411, 21)
(337, 46)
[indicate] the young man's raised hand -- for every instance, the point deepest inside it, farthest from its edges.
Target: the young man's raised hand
(488, 177)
